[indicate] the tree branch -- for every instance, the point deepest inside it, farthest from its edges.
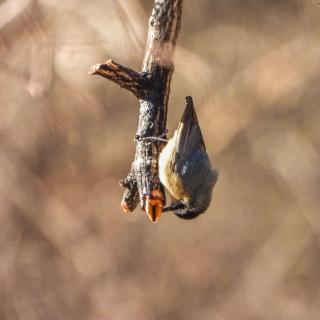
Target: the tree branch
(130, 197)
(152, 87)
(127, 78)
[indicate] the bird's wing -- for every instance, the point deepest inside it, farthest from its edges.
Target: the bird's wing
(188, 135)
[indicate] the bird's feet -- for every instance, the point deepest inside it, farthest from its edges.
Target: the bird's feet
(174, 206)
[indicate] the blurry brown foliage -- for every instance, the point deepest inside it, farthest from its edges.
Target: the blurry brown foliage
(67, 251)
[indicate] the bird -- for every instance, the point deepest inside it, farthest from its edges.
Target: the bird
(185, 168)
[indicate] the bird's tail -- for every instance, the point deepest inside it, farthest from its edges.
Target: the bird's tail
(189, 136)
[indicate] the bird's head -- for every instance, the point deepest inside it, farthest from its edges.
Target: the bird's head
(198, 202)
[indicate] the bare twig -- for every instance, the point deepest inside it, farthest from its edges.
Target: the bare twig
(126, 78)
(152, 87)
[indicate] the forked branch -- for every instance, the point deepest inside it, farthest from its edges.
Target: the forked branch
(151, 87)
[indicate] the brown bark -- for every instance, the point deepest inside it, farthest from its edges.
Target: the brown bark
(152, 88)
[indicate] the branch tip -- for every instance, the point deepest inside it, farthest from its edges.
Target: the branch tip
(125, 77)
(94, 69)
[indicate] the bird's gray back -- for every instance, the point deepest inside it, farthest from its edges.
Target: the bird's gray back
(197, 176)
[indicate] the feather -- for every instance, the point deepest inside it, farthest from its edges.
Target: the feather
(188, 136)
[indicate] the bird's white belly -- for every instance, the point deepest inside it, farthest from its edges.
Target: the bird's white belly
(168, 178)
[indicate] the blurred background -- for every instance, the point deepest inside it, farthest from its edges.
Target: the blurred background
(66, 249)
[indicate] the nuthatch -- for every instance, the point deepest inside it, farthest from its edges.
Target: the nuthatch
(185, 169)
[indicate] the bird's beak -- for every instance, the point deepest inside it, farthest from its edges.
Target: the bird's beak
(154, 205)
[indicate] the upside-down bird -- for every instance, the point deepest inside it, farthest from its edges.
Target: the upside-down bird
(185, 169)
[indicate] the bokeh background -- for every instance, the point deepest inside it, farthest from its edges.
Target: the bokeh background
(66, 249)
